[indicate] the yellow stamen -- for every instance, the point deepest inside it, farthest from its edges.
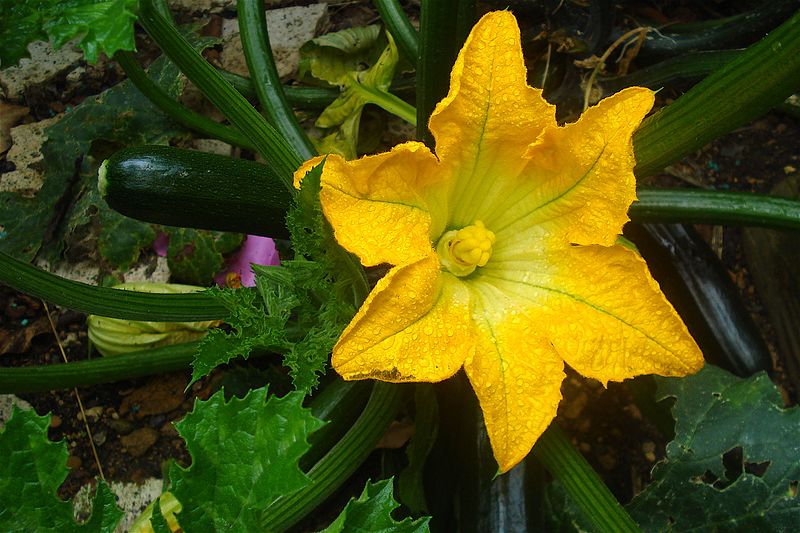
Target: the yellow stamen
(461, 251)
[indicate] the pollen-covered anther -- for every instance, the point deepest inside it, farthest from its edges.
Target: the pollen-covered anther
(461, 251)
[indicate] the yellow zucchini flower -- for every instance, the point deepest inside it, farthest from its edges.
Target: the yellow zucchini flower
(503, 248)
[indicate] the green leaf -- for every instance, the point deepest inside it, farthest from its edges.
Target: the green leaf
(104, 26)
(300, 308)
(332, 57)
(31, 470)
(378, 77)
(735, 461)
(363, 64)
(195, 256)
(298, 290)
(254, 327)
(372, 512)
(245, 455)
(20, 24)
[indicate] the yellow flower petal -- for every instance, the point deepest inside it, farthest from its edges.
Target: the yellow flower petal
(381, 206)
(604, 313)
(414, 326)
(305, 168)
(516, 375)
(487, 120)
(579, 182)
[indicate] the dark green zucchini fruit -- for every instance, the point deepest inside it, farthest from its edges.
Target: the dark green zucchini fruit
(174, 187)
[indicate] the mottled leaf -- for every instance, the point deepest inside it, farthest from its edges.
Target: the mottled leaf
(734, 464)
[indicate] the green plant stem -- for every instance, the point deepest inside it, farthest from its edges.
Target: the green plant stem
(760, 78)
(305, 97)
(444, 24)
(678, 39)
(264, 75)
(582, 484)
(388, 102)
(715, 207)
(14, 380)
(175, 110)
(341, 461)
(269, 143)
(104, 301)
(691, 66)
(405, 35)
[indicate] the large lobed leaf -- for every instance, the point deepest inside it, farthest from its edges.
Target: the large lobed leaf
(103, 26)
(734, 464)
(245, 454)
(372, 512)
(31, 470)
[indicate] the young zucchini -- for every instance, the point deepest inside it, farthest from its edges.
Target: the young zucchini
(174, 187)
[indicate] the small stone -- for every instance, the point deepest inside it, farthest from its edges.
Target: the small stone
(160, 395)
(9, 117)
(44, 64)
(607, 461)
(26, 155)
(55, 421)
(574, 408)
(649, 449)
(169, 430)
(120, 425)
(73, 462)
(289, 29)
(99, 438)
(93, 413)
(139, 441)
(212, 146)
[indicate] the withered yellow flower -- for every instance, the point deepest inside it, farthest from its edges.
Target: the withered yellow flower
(502, 248)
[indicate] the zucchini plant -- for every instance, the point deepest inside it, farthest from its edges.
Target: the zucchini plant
(487, 251)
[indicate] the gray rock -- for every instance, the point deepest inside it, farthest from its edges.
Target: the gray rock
(44, 64)
(289, 28)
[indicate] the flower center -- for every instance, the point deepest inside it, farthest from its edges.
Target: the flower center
(462, 251)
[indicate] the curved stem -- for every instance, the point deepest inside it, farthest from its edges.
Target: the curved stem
(175, 110)
(264, 75)
(14, 380)
(691, 66)
(388, 102)
(233, 105)
(405, 35)
(581, 482)
(715, 207)
(758, 79)
(105, 301)
(341, 461)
